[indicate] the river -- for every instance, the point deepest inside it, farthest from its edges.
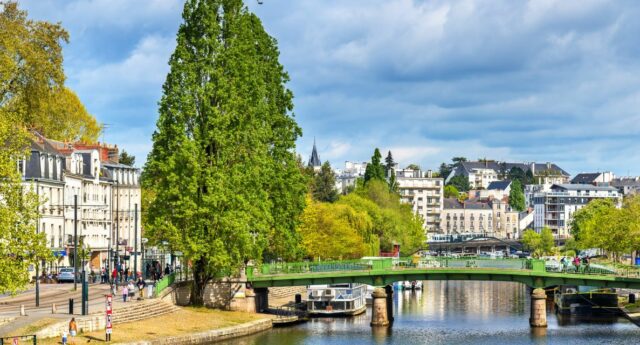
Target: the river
(454, 312)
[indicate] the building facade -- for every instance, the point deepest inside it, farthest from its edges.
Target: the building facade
(555, 208)
(481, 173)
(425, 193)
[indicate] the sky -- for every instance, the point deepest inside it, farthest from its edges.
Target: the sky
(545, 80)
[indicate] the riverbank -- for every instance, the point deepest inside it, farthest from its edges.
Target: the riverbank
(185, 326)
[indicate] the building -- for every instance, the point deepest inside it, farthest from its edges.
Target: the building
(626, 185)
(491, 218)
(126, 199)
(495, 190)
(314, 160)
(480, 174)
(346, 178)
(555, 208)
(596, 179)
(42, 173)
(89, 174)
(466, 218)
(425, 193)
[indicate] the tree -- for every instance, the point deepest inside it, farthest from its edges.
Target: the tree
(413, 166)
(451, 191)
(389, 163)
(445, 170)
(393, 182)
(460, 182)
(226, 179)
(517, 174)
(516, 196)
(374, 170)
(32, 78)
(127, 159)
(539, 244)
(324, 185)
(457, 161)
(333, 231)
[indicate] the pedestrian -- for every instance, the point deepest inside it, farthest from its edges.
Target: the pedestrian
(576, 262)
(131, 289)
(64, 337)
(141, 285)
(167, 270)
(585, 262)
(114, 289)
(114, 275)
(125, 293)
(73, 330)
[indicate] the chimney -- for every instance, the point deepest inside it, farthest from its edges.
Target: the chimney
(429, 173)
(533, 168)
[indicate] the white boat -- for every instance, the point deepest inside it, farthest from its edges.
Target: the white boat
(412, 285)
(336, 299)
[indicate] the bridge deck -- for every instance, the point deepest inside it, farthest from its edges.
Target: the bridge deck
(384, 271)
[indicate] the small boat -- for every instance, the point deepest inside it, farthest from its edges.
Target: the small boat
(585, 300)
(412, 285)
(336, 299)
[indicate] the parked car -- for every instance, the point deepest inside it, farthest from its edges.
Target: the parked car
(66, 274)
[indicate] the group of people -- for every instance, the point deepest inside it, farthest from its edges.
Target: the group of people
(577, 262)
(155, 272)
(128, 289)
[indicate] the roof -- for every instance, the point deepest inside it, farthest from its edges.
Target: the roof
(583, 187)
(314, 161)
(585, 178)
(453, 203)
(499, 185)
(450, 203)
(498, 166)
(630, 181)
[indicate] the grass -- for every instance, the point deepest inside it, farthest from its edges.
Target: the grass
(185, 321)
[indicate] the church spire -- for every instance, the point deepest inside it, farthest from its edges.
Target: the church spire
(314, 161)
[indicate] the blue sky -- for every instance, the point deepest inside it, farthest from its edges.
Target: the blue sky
(511, 80)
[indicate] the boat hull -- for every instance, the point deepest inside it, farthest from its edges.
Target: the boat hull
(587, 303)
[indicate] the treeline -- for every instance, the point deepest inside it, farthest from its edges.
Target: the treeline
(364, 222)
(601, 224)
(33, 96)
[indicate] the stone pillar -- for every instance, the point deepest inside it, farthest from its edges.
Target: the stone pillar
(22, 311)
(250, 298)
(538, 308)
(262, 299)
(379, 308)
(389, 291)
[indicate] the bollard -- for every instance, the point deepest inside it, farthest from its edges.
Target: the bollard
(53, 308)
(22, 311)
(70, 306)
(632, 298)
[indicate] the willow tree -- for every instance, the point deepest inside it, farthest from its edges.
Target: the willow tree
(224, 174)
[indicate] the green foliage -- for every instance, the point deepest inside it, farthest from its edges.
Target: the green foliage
(127, 159)
(32, 78)
(375, 170)
(539, 244)
(516, 196)
(333, 231)
(389, 163)
(324, 184)
(451, 191)
(227, 186)
(393, 183)
(601, 225)
(444, 170)
(413, 166)
(460, 182)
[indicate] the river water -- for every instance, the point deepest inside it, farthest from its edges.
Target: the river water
(454, 312)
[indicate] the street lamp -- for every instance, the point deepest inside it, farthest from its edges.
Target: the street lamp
(143, 241)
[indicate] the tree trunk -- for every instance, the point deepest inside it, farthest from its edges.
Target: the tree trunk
(200, 280)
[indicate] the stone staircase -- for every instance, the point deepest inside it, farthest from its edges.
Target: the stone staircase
(142, 310)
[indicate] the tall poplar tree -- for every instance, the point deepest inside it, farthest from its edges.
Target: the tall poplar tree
(222, 168)
(375, 169)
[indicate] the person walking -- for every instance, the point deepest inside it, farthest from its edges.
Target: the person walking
(125, 293)
(114, 276)
(73, 330)
(585, 262)
(141, 284)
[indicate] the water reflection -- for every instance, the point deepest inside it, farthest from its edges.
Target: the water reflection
(450, 312)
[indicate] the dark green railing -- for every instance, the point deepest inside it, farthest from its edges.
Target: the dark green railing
(164, 283)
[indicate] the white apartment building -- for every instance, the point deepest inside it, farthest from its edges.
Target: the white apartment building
(481, 173)
(346, 178)
(555, 208)
(126, 197)
(425, 193)
(491, 218)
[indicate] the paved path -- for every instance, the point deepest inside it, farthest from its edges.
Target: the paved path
(49, 294)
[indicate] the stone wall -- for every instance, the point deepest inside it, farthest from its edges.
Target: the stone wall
(85, 324)
(219, 294)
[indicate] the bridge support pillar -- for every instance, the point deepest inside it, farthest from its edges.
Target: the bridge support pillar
(389, 291)
(379, 308)
(538, 308)
(261, 299)
(250, 299)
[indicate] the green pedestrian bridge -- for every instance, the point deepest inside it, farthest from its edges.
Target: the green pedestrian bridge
(385, 271)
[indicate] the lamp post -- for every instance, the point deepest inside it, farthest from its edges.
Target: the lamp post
(143, 241)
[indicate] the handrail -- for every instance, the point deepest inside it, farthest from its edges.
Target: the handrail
(164, 283)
